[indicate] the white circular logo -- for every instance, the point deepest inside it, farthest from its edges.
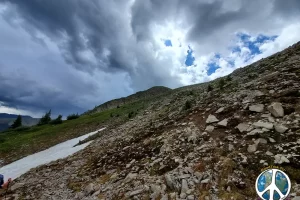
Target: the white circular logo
(273, 184)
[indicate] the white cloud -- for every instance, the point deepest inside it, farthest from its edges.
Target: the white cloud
(15, 111)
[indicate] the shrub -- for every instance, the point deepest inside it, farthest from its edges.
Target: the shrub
(191, 93)
(228, 78)
(131, 114)
(46, 119)
(187, 105)
(22, 128)
(17, 123)
(2, 140)
(209, 88)
(72, 116)
(252, 76)
(58, 120)
(221, 83)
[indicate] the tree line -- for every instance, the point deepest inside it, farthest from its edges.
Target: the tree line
(46, 119)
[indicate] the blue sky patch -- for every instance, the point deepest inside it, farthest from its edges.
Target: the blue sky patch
(212, 65)
(212, 68)
(189, 58)
(253, 45)
(168, 43)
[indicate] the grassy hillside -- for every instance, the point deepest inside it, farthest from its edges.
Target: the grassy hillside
(15, 144)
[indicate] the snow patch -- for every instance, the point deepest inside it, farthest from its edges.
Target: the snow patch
(62, 150)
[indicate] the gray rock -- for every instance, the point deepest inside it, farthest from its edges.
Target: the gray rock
(276, 109)
(220, 110)
(206, 180)
(193, 138)
(134, 193)
(130, 177)
(279, 159)
(230, 147)
(170, 181)
(266, 125)
(16, 186)
(257, 108)
(255, 132)
(211, 119)
(271, 119)
(242, 127)
(244, 161)
(79, 195)
(191, 197)
(209, 129)
(272, 140)
(252, 148)
(199, 175)
(89, 189)
(228, 189)
(190, 191)
(280, 128)
(268, 153)
(183, 195)
(223, 122)
(184, 186)
(184, 176)
(156, 191)
(173, 195)
(164, 197)
(261, 141)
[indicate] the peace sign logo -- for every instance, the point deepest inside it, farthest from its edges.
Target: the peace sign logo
(273, 184)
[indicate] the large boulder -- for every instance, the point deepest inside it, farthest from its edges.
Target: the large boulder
(211, 119)
(89, 189)
(261, 124)
(279, 159)
(276, 109)
(220, 110)
(224, 122)
(242, 127)
(257, 108)
(252, 148)
(171, 183)
(209, 129)
(280, 128)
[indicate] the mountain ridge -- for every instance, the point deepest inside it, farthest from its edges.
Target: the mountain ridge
(151, 92)
(7, 119)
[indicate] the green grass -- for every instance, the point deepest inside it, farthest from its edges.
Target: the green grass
(15, 144)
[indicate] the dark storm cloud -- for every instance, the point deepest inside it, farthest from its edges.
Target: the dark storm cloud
(31, 95)
(107, 26)
(289, 8)
(145, 12)
(112, 42)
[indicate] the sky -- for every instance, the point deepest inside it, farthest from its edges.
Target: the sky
(72, 55)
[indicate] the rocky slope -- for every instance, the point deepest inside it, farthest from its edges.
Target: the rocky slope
(151, 93)
(194, 143)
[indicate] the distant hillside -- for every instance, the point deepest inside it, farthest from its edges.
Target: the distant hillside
(7, 119)
(150, 93)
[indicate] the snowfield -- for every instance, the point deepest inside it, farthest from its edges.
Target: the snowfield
(62, 150)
